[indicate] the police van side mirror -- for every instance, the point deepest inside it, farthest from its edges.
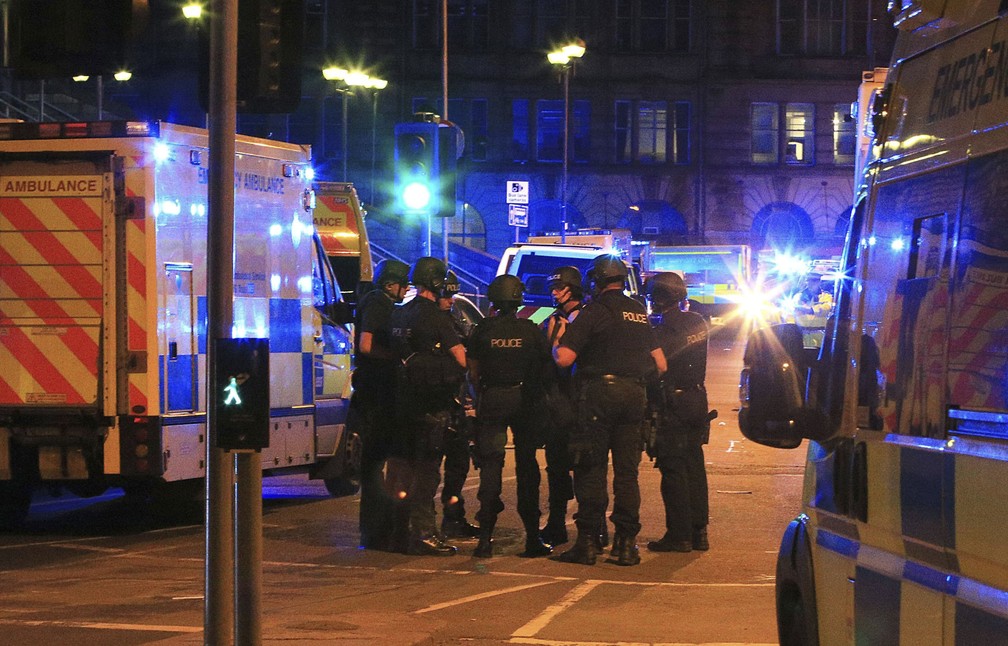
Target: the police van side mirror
(772, 387)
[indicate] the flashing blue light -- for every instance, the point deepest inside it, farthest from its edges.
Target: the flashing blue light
(309, 173)
(871, 241)
(161, 152)
(416, 196)
(897, 244)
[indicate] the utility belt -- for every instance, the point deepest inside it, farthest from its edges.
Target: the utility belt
(613, 379)
(431, 369)
(501, 386)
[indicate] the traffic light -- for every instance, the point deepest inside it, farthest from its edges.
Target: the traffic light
(425, 169)
(270, 48)
(241, 392)
(54, 38)
(448, 136)
(416, 166)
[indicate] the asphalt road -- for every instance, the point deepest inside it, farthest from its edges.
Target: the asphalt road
(108, 572)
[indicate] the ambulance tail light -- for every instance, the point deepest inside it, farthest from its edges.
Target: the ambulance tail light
(141, 450)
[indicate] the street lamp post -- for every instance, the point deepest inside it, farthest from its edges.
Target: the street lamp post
(564, 59)
(376, 85)
(352, 80)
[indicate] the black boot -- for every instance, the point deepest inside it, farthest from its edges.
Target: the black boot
(429, 545)
(628, 553)
(700, 542)
(484, 549)
(555, 531)
(602, 538)
(458, 528)
(534, 546)
(617, 545)
(668, 544)
(583, 552)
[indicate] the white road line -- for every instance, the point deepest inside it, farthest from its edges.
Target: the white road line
(480, 597)
(546, 616)
(102, 625)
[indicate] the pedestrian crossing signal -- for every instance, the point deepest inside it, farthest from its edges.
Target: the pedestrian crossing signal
(242, 404)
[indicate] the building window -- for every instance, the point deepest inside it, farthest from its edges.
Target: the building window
(468, 25)
(652, 25)
(658, 135)
(822, 27)
(800, 133)
(426, 26)
(520, 130)
(549, 131)
(844, 134)
(477, 135)
(560, 21)
(765, 133)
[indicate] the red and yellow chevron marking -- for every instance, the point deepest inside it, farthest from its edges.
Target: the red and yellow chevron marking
(136, 306)
(50, 299)
(337, 225)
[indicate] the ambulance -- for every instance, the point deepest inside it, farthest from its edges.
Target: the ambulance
(717, 276)
(103, 303)
(339, 219)
(903, 535)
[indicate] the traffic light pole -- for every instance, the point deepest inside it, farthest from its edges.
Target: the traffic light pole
(218, 617)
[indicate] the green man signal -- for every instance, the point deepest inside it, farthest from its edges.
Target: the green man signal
(241, 379)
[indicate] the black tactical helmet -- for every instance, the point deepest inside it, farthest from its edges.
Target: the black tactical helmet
(568, 276)
(391, 271)
(506, 289)
(666, 288)
(451, 285)
(607, 268)
(429, 272)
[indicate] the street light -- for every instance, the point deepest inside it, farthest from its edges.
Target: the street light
(564, 58)
(354, 79)
(374, 84)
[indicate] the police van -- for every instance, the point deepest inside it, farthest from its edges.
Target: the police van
(534, 261)
(903, 537)
(103, 301)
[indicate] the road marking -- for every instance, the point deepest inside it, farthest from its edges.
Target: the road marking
(580, 591)
(480, 597)
(554, 642)
(547, 615)
(102, 625)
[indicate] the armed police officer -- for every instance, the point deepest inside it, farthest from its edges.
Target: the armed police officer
(565, 285)
(456, 454)
(614, 351)
(432, 368)
(508, 360)
(684, 422)
(372, 408)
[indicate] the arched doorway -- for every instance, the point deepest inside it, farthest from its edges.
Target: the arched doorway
(653, 218)
(782, 225)
(467, 229)
(544, 217)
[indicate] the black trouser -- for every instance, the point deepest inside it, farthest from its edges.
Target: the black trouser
(610, 412)
(684, 491)
(456, 470)
(425, 414)
(498, 409)
(558, 469)
(373, 420)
